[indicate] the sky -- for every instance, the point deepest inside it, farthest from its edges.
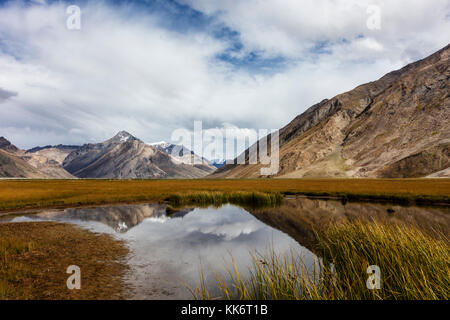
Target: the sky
(152, 67)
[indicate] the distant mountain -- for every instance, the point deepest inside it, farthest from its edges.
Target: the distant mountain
(49, 160)
(395, 127)
(218, 163)
(45, 163)
(126, 157)
(7, 146)
(123, 156)
(61, 147)
(13, 166)
(183, 155)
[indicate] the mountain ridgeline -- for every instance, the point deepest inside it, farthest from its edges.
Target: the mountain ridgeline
(121, 157)
(395, 127)
(126, 157)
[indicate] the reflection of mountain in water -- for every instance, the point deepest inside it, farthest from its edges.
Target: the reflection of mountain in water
(181, 213)
(297, 217)
(119, 218)
(300, 217)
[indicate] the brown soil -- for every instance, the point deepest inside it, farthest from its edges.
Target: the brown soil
(34, 258)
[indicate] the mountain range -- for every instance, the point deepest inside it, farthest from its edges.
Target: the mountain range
(121, 157)
(395, 127)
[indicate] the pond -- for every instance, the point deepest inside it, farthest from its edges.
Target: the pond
(168, 252)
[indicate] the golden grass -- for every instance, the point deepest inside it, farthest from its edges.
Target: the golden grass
(414, 266)
(21, 194)
(34, 258)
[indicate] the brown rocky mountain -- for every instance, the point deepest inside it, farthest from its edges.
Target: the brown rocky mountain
(13, 166)
(49, 160)
(7, 146)
(126, 157)
(17, 163)
(396, 127)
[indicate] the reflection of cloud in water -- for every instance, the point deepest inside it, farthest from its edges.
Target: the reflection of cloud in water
(228, 223)
(232, 230)
(208, 236)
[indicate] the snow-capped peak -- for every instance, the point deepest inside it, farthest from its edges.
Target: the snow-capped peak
(123, 136)
(162, 144)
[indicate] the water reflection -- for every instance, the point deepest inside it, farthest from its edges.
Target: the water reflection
(120, 218)
(300, 217)
(166, 251)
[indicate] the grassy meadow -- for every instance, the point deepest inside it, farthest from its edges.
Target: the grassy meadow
(26, 194)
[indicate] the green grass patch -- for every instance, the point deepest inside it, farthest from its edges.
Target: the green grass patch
(217, 199)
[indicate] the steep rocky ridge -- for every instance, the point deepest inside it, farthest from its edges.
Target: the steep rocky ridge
(397, 126)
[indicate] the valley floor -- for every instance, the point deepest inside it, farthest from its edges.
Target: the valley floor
(33, 194)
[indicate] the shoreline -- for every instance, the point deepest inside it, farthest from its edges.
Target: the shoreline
(28, 210)
(354, 198)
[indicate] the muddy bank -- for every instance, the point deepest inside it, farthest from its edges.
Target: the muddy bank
(35, 257)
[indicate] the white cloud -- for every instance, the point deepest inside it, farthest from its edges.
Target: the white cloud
(291, 27)
(369, 43)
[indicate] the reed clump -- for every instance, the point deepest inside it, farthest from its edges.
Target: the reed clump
(203, 199)
(414, 266)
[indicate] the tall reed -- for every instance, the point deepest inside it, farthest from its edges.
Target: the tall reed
(202, 199)
(414, 265)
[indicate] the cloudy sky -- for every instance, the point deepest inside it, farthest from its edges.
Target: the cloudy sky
(150, 67)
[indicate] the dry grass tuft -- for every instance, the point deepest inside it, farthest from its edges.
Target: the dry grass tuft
(414, 266)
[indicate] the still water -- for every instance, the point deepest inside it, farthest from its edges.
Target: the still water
(168, 252)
